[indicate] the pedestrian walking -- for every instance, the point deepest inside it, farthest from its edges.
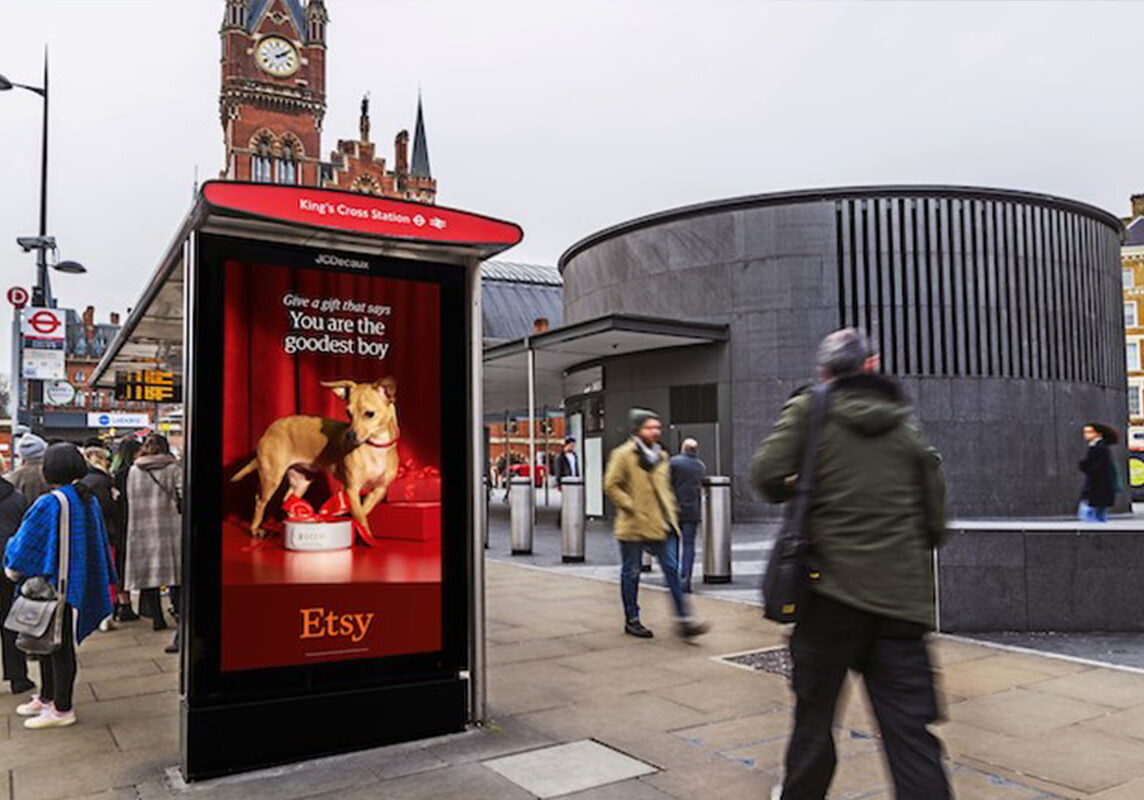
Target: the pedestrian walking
(29, 476)
(34, 551)
(687, 474)
(125, 453)
(154, 525)
(875, 514)
(1100, 473)
(99, 480)
(638, 484)
(12, 508)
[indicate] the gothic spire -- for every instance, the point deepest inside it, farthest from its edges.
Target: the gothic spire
(420, 166)
(363, 123)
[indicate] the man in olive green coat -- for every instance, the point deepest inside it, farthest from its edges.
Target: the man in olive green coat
(638, 483)
(876, 513)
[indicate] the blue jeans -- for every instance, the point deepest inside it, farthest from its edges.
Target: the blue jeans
(631, 554)
(687, 557)
(1087, 513)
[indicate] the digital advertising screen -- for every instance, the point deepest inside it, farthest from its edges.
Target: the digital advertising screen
(329, 457)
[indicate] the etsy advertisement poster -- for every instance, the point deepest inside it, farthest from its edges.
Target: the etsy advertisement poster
(331, 442)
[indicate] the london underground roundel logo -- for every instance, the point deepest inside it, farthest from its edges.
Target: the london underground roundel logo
(104, 419)
(44, 322)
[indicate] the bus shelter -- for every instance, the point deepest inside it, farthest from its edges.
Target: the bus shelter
(329, 345)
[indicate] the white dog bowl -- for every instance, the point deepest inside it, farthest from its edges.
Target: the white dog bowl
(319, 536)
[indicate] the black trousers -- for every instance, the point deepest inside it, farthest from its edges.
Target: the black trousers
(15, 662)
(829, 640)
(58, 669)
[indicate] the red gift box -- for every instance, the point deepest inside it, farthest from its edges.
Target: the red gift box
(419, 522)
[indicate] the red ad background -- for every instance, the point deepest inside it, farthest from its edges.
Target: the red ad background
(264, 585)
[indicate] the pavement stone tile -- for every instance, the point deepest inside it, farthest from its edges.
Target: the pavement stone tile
(718, 779)
(740, 732)
(946, 651)
(1076, 758)
(118, 671)
(1107, 687)
(1129, 722)
(1020, 712)
(28, 748)
(768, 755)
(148, 732)
(533, 650)
(116, 688)
(110, 712)
(567, 768)
(973, 784)
(397, 762)
(1132, 790)
(1048, 665)
(634, 789)
(117, 655)
(982, 676)
(468, 781)
(498, 738)
(738, 692)
(112, 770)
(606, 716)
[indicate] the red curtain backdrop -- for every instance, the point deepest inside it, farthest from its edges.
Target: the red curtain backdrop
(261, 383)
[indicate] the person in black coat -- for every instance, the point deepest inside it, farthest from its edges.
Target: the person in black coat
(687, 473)
(1099, 493)
(12, 507)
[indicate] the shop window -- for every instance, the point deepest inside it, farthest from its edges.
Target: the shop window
(1134, 409)
(1128, 276)
(1130, 314)
(1133, 351)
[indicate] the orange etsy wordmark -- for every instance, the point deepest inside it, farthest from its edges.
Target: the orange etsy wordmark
(318, 623)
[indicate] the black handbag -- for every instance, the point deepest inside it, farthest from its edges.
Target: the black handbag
(39, 609)
(788, 571)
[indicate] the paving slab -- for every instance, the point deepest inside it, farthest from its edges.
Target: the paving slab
(1024, 713)
(1103, 686)
(567, 768)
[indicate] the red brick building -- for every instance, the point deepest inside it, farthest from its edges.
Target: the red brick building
(273, 100)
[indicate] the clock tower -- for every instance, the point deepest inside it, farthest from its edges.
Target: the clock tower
(273, 93)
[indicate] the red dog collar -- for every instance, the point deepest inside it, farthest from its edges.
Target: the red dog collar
(390, 443)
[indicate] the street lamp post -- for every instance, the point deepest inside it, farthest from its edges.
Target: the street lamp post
(42, 291)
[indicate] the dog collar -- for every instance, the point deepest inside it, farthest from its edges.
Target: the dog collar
(383, 445)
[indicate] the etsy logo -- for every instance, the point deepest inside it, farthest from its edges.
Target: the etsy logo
(318, 623)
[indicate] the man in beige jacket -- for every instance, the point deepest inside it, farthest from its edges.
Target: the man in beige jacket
(638, 483)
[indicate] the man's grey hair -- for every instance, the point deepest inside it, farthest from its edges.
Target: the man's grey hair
(689, 445)
(844, 352)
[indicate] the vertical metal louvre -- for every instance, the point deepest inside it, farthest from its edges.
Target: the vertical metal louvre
(980, 287)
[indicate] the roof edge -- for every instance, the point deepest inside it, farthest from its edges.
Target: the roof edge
(833, 193)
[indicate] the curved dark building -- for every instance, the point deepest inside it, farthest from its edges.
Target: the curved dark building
(999, 310)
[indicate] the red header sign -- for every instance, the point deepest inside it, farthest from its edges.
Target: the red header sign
(361, 213)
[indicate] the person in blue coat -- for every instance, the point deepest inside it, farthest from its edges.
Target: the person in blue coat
(687, 473)
(34, 551)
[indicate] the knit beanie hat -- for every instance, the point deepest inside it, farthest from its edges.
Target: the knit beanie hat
(638, 416)
(31, 446)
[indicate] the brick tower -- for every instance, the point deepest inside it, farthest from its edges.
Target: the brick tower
(273, 93)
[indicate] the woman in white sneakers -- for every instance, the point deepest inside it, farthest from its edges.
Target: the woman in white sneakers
(34, 551)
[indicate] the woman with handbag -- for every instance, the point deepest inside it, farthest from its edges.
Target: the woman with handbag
(62, 541)
(154, 524)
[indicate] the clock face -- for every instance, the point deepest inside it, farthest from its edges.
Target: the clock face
(277, 56)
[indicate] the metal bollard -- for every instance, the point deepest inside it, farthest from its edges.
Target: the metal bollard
(717, 530)
(572, 519)
(520, 515)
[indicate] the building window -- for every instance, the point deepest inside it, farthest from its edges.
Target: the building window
(1134, 409)
(286, 167)
(1130, 314)
(1128, 276)
(260, 161)
(1133, 350)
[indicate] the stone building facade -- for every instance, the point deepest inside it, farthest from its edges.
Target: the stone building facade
(273, 100)
(1132, 274)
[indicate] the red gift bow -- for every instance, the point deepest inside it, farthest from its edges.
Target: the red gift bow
(335, 509)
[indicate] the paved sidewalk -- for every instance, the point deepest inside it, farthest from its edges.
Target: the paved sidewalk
(1021, 726)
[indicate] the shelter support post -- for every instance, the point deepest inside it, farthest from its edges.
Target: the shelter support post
(478, 684)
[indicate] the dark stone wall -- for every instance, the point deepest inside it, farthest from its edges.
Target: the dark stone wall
(774, 274)
(1048, 577)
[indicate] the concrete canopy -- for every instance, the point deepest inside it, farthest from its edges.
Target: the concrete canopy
(562, 350)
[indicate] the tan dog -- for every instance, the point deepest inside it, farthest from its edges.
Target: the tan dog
(361, 454)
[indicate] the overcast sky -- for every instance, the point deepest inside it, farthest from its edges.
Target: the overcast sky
(569, 117)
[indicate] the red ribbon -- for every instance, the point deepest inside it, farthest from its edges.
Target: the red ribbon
(336, 509)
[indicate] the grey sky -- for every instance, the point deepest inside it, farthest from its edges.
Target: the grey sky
(568, 117)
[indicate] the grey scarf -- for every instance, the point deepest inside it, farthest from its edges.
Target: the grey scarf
(649, 456)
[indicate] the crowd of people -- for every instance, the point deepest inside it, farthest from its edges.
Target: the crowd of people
(123, 534)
